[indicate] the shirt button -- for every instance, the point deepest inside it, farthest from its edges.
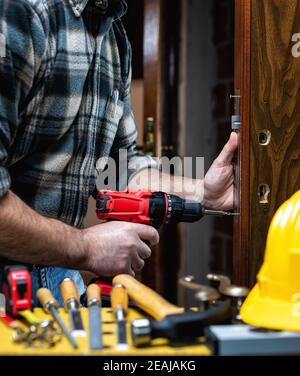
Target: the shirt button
(103, 4)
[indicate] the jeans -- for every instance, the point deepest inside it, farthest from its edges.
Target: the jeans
(51, 277)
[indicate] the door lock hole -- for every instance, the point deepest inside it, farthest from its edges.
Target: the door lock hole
(264, 137)
(263, 193)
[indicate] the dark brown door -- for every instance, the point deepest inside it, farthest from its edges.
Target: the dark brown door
(152, 107)
(268, 78)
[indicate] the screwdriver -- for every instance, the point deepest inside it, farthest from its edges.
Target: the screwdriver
(71, 301)
(49, 304)
(95, 326)
(119, 303)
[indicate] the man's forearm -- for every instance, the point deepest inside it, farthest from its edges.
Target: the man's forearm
(158, 181)
(26, 236)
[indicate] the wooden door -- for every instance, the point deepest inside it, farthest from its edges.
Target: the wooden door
(268, 77)
(241, 97)
(152, 106)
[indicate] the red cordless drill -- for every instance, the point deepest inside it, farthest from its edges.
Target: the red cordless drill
(151, 208)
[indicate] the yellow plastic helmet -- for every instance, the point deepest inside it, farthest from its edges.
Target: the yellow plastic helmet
(274, 302)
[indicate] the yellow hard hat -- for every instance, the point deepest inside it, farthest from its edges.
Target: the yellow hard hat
(275, 300)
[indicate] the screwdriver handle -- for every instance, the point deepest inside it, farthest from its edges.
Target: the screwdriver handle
(119, 297)
(147, 299)
(68, 291)
(93, 293)
(46, 298)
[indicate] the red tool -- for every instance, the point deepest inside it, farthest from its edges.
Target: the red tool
(105, 285)
(17, 289)
(151, 208)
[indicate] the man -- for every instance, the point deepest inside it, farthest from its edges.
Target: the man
(64, 104)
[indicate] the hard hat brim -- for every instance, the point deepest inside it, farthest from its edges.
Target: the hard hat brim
(270, 313)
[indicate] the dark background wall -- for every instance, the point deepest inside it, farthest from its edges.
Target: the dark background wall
(223, 40)
(200, 117)
(207, 70)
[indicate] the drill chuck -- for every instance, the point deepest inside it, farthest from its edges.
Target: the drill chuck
(180, 210)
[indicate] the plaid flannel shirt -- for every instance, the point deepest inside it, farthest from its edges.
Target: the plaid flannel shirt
(64, 101)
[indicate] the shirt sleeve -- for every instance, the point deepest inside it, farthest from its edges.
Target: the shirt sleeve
(22, 45)
(126, 139)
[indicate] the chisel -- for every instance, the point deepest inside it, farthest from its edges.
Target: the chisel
(72, 305)
(95, 325)
(49, 304)
(174, 324)
(119, 303)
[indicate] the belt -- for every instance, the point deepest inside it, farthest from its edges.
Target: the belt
(4, 262)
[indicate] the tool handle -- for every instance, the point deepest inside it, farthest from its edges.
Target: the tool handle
(119, 297)
(46, 298)
(147, 299)
(93, 293)
(68, 290)
(30, 317)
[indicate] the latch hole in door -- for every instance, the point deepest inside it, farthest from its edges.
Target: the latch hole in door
(263, 193)
(264, 137)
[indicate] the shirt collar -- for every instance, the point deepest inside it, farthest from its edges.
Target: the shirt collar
(119, 9)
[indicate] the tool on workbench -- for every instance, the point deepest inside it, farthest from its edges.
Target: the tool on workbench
(2, 304)
(95, 320)
(206, 296)
(237, 294)
(50, 305)
(18, 295)
(151, 208)
(274, 302)
(40, 335)
(174, 324)
(119, 303)
(17, 289)
(72, 306)
(20, 334)
(4, 317)
(244, 340)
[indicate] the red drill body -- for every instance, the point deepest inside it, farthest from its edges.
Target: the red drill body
(146, 207)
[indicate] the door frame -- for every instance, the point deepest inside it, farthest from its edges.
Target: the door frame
(243, 108)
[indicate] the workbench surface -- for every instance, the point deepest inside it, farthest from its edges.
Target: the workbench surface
(159, 347)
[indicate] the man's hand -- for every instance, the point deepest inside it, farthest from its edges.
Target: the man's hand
(118, 248)
(218, 182)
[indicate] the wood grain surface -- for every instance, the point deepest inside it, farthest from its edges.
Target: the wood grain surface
(242, 70)
(275, 106)
(152, 108)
